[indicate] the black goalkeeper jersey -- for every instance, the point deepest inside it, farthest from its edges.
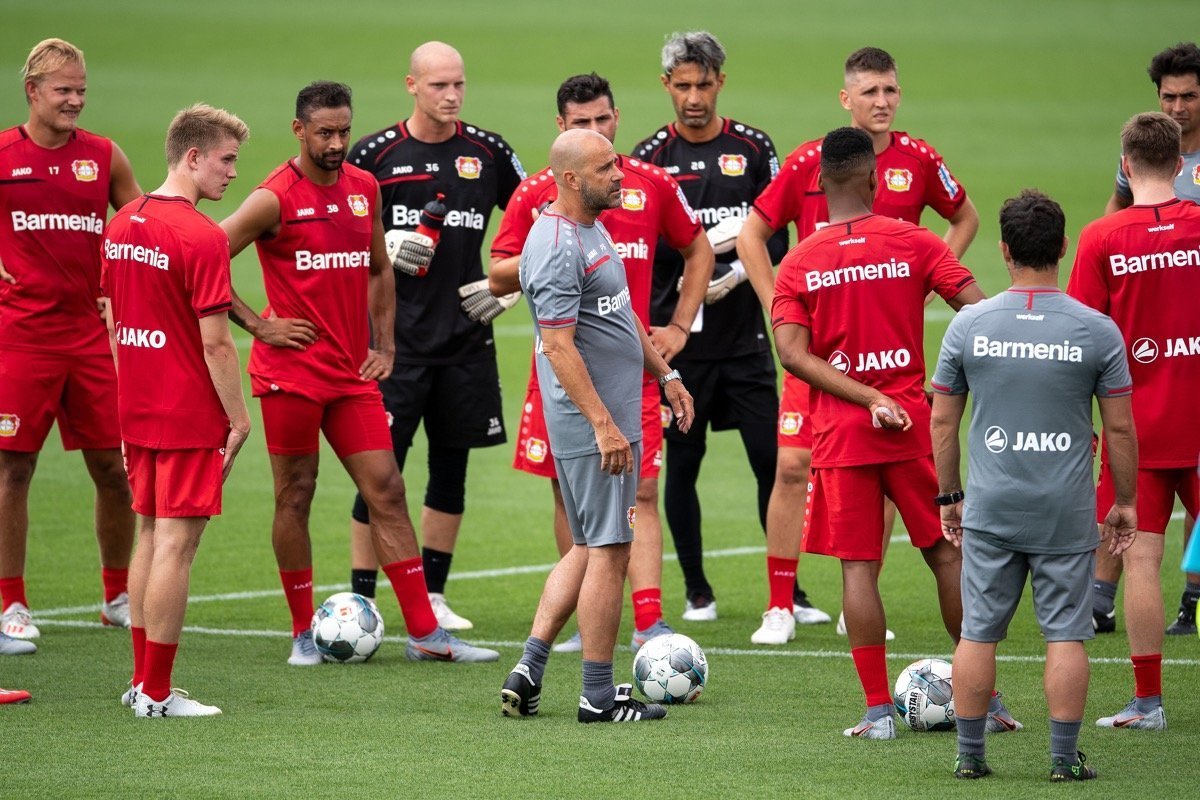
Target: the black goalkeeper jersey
(720, 178)
(476, 171)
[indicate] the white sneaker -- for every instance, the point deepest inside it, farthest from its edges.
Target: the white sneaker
(130, 698)
(17, 623)
(15, 647)
(809, 614)
(572, 645)
(304, 651)
(177, 704)
(841, 628)
(879, 729)
(700, 610)
(446, 616)
(116, 611)
(778, 627)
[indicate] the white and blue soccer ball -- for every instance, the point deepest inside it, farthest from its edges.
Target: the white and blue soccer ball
(924, 695)
(670, 669)
(347, 628)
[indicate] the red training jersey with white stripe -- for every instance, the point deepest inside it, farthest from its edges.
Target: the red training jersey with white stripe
(651, 206)
(1141, 266)
(165, 266)
(53, 204)
(859, 287)
(316, 268)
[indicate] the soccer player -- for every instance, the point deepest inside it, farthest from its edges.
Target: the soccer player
(1176, 75)
(1135, 266)
(445, 368)
(57, 183)
(721, 165)
(179, 395)
(591, 352)
(848, 316)
(316, 225)
(651, 207)
(1033, 358)
(911, 177)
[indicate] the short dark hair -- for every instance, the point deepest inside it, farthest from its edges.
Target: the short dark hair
(1182, 59)
(321, 94)
(870, 59)
(694, 47)
(1151, 141)
(581, 89)
(845, 152)
(1033, 225)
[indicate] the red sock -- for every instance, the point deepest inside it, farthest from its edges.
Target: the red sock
(1147, 675)
(781, 577)
(647, 608)
(139, 654)
(408, 582)
(115, 582)
(871, 663)
(298, 589)
(160, 660)
(12, 590)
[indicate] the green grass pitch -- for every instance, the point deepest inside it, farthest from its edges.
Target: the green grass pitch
(1013, 95)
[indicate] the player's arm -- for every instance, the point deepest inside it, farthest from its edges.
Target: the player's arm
(1120, 446)
(964, 224)
(698, 261)
(677, 395)
(381, 305)
(258, 216)
(220, 354)
(947, 417)
(969, 296)
(792, 343)
(558, 345)
(123, 186)
(504, 275)
(106, 310)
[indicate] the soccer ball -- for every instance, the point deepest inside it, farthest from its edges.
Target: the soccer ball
(347, 628)
(924, 697)
(670, 669)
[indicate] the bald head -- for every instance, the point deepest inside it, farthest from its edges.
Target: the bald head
(575, 148)
(433, 56)
(585, 169)
(438, 85)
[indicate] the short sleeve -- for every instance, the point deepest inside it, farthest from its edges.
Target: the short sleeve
(779, 203)
(947, 276)
(949, 377)
(1114, 379)
(790, 304)
(515, 224)
(511, 173)
(554, 277)
(943, 193)
(207, 274)
(1087, 283)
(678, 223)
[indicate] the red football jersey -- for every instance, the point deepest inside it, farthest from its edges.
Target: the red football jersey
(911, 176)
(1141, 266)
(651, 206)
(166, 265)
(316, 268)
(859, 287)
(53, 204)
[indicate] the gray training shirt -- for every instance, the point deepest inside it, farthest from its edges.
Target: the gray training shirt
(1187, 182)
(1033, 359)
(572, 275)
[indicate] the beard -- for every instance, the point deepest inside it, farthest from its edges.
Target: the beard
(597, 199)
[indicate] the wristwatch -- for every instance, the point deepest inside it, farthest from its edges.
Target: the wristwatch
(949, 499)
(673, 375)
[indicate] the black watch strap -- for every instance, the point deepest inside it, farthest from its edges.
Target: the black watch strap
(949, 499)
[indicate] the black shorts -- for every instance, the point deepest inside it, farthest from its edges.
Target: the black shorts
(460, 404)
(728, 393)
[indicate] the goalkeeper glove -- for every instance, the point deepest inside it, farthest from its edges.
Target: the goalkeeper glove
(723, 235)
(731, 275)
(410, 252)
(481, 305)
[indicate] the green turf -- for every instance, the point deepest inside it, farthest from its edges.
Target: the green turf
(1013, 95)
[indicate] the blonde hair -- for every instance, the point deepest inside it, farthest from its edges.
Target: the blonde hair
(50, 55)
(203, 127)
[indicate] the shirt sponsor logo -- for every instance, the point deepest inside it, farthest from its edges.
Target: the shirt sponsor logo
(883, 359)
(85, 170)
(790, 422)
(636, 250)
(9, 425)
(468, 167)
(983, 347)
(535, 450)
(947, 181)
(995, 439)
(305, 212)
(1147, 350)
(1144, 351)
(139, 254)
(839, 361)
(1124, 265)
(898, 180)
(1170, 226)
(732, 165)
(20, 172)
(358, 205)
(140, 337)
(711, 216)
(90, 223)
(405, 217)
(609, 303)
(859, 272)
(633, 199)
(306, 259)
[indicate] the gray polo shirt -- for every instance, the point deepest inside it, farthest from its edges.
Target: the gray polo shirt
(1187, 182)
(573, 276)
(1033, 359)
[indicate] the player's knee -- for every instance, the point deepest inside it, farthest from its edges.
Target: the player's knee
(108, 474)
(791, 467)
(647, 494)
(447, 488)
(16, 469)
(383, 495)
(296, 492)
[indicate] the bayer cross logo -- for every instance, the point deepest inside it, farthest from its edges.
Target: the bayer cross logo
(996, 439)
(839, 361)
(1145, 350)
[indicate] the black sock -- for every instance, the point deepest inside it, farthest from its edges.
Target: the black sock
(437, 569)
(1104, 596)
(362, 581)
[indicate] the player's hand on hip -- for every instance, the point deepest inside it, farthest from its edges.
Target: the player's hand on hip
(616, 456)
(233, 443)
(888, 414)
(668, 340)
(410, 252)
(101, 305)
(481, 305)
(377, 366)
(1119, 528)
(682, 405)
(278, 331)
(5, 275)
(952, 523)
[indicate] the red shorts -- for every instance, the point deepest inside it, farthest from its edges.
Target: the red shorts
(1156, 490)
(80, 391)
(533, 440)
(795, 429)
(352, 422)
(174, 483)
(844, 514)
